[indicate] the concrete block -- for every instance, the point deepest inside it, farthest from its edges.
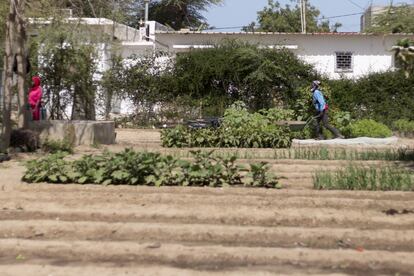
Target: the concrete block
(76, 132)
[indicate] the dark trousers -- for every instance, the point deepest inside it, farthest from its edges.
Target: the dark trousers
(324, 119)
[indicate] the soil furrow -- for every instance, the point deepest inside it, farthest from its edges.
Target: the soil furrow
(101, 269)
(261, 217)
(206, 257)
(391, 240)
(276, 201)
(205, 191)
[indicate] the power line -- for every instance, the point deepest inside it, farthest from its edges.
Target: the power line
(355, 4)
(339, 16)
(319, 19)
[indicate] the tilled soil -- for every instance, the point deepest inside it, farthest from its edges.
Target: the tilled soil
(119, 230)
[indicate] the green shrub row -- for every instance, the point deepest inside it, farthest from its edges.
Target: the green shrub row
(238, 128)
(360, 178)
(144, 168)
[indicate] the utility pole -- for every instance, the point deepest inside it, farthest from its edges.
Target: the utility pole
(303, 15)
(146, 2)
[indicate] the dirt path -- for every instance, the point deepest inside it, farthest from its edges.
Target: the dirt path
(89, 229)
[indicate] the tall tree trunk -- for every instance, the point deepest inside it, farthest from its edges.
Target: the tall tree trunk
(108, 103)
(8, 71)
(23, 115)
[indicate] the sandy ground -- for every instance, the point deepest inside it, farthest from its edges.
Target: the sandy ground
(87, 229)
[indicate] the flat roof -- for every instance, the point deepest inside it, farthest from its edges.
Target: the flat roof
(278, 33)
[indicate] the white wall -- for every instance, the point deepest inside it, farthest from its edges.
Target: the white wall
(371, 53)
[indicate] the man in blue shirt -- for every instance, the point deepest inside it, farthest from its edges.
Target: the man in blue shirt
(322, 112)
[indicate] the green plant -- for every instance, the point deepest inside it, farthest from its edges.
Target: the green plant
(239, 129)
(260, 176)
(403, 125)
(360, 178)
(369, 128)
(52, 169)
(145, 168)
(53, 146)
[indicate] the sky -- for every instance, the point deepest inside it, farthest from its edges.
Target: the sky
(234, 13)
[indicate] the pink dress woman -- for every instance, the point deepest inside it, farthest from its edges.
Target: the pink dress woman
(35, 97)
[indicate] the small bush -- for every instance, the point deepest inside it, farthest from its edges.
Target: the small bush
(368, 128)
(403, 125)
(359, 178)
(54, 146)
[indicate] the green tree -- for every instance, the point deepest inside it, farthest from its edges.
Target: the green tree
(68, 64)
(234, 71)
(397, 19)
(122, 11)
(181, 13)
(275, 18)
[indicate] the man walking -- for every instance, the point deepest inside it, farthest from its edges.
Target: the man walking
(322, 112)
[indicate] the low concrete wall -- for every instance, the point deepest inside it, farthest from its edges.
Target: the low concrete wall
(77, 132)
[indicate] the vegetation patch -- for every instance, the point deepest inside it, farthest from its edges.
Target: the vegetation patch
(360, 178)
(368, 128)
(145, 168)
(404, 126)
(238, 129)
(54, 146)
(402, 154)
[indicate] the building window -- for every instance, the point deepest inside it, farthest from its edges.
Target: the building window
(344, 62)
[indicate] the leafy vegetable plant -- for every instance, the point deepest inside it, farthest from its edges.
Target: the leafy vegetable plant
(146, 168)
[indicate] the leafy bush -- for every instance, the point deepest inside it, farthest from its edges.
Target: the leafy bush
(240, 71)
(51, 169)
(239, 129)
(403, 125)
(53, 146)
(145, 168)
(384, 97)
(359, 178)
(368, 128)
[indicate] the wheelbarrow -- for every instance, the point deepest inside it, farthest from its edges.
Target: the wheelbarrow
(297, 125)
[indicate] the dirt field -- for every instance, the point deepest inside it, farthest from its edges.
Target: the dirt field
(95, 230)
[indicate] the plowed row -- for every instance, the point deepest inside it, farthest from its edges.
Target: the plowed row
(86, 230)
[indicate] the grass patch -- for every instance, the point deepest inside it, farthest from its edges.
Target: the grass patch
(312, 154)
(360, 178)
(54, 146)
(343, 154)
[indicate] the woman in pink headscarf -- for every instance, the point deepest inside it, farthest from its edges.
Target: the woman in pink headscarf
(35, 97)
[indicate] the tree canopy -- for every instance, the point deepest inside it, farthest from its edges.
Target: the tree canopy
(275, 18)
(397, 19)
(181, 13)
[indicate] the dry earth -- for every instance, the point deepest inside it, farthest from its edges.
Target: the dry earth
(94, 230)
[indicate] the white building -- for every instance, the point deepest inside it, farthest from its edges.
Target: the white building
(336, 55)
(350, 55)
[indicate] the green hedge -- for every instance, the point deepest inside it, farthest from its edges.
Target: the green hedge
(384, 97)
